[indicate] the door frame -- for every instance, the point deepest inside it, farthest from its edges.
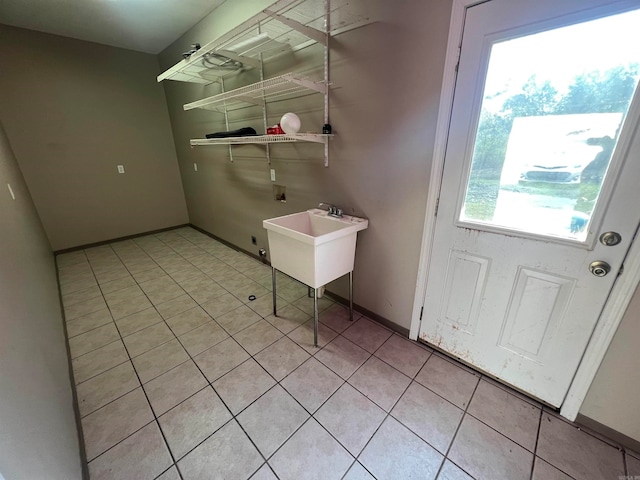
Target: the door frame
(623, 289)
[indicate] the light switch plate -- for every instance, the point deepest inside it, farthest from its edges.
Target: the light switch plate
(273, 174)
(120, 168)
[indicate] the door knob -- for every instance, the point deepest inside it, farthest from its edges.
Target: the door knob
(610, 238)
(599, 268)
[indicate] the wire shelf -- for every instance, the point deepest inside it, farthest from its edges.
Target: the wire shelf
(283, 87)
(287, 25)
(263, 139)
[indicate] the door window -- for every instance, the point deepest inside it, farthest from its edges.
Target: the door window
(552, 109)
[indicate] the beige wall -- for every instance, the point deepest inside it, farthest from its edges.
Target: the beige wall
(74, 110)
(614, 397)
(387, 78)
(38, 436)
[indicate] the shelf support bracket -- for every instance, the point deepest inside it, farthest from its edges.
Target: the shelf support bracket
(307, 31)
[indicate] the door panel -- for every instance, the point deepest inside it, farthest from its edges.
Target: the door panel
(509, 288)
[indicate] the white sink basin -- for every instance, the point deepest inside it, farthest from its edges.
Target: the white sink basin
(313, 247)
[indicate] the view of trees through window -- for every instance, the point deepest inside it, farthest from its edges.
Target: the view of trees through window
(567, 170)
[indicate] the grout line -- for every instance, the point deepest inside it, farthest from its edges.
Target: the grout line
(535, 447)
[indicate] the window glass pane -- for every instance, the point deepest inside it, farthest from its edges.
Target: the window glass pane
(552, 110)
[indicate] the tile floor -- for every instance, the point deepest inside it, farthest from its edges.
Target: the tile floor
(180, 376)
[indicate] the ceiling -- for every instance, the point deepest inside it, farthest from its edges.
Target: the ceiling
(143, 25)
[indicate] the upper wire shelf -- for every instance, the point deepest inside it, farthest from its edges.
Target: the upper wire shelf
(287, 25)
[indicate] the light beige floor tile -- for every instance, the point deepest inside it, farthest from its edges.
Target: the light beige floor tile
(176, 306)
(74, 286)
(403, 355)
(351, 418)
(306, 305)
(88, 322)
(258, 272)
(380, 383)
(119, 296)
(221, 305)
(205, 336)
(358, 472)
(263, 306)
(186, 321)
(84, 307)
(96, 338)
(110, 275)
(140, 265)
(303, 336)
(159, 360)
(367, 334)
(185, 273)
(106, 387)
(228, 453)
(81, 295)
(428, 415)
(342, 356)
(200, 282)
(245, 292)
(271, 419)
(171, 388)
(450, 471)
(337, 317)
(308, 449)
(484, 453)
(243, 385)
(70, 258)
(98, 361)
(129, 307)
(395, 452)
(281, 358)
(575, 452)
(148, 275)
(192, 421)
(159, 282)
(448, 380)
(165, 294)
(506, 413)
(235, 281)
(115, 421)
(138, 321)
(543, 471)
(289, 317)
(142, 456)
(311, 384)
(221, 358)
(265, 473)
(171, 474)
(118, 284)
(258, 336)
(148, 338)
(206, 295)
(292, 291)
(237, 319)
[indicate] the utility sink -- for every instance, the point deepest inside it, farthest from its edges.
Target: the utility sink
(313, 247)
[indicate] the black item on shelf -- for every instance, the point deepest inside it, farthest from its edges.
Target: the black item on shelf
(241, 132)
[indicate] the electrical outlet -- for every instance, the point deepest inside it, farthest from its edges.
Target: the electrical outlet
(273, 174)
(254, 240)
(195, 167)
(120, 168)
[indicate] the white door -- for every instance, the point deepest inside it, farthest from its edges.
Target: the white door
(543, 157)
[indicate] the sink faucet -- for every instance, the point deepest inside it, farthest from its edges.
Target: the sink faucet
(332, 209)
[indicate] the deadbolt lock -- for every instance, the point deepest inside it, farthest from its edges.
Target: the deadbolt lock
(610, 238)
(599, 268)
